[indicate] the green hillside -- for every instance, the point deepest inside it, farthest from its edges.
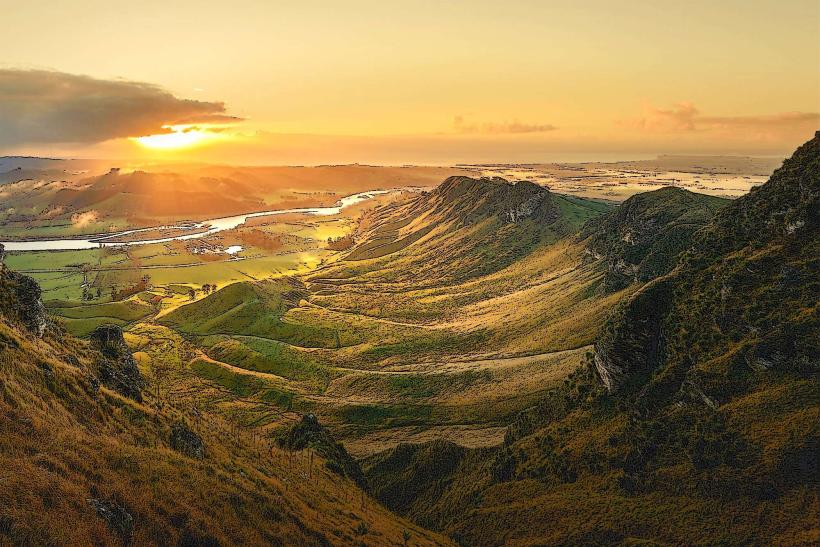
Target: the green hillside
(254, 309)
(463, 229)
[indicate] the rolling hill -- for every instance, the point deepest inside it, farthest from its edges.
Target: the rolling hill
(390, 348)
(377, 352)
(87, 461)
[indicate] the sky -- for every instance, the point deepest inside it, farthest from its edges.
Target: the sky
(269, 82)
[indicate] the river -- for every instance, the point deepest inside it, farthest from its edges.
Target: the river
(207, 228)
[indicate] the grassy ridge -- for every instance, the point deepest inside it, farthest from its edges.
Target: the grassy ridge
(707, 428)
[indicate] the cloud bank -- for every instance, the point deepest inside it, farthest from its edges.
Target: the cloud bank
(41, 106)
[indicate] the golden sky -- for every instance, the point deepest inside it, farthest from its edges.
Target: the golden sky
(408, 82)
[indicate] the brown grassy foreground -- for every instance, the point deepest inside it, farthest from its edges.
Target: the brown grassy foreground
(63, 444)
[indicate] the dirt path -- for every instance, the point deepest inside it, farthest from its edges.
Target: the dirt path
(309, 304)
(427, 367)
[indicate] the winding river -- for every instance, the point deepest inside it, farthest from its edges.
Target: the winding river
(204, 228)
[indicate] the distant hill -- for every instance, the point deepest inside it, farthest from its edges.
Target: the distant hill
(740, 165)
(694, 420)
(17, 168)
(43, 197)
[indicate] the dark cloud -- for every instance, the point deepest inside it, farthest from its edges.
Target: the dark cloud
(40, 106)
(491, 128)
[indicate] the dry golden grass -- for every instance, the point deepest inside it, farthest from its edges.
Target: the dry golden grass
(63, 444)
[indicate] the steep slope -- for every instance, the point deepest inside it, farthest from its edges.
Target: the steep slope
(83, 464)
(694, 421)
(465, 242)
(745, 294)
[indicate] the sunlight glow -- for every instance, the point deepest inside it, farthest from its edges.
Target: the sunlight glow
(181, 136)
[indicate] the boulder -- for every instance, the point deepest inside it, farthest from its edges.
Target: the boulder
(116, 367)
(116, 517)
(186, 441)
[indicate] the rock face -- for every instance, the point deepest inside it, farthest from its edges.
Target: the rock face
(470, 200)
(32, 311)
(632, 340)
(186, 441)
(117, 368)
(309, 433)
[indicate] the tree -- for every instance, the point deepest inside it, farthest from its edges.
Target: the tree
(192, 294)
(161, 376)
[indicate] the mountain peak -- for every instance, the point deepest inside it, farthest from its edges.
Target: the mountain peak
(473, 199)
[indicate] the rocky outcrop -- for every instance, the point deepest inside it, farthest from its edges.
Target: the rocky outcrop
(20, 299)
(186, 441)
(526, 209)
(32, 311)
(116, 367)
(309, 433)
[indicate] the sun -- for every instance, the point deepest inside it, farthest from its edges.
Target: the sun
(180, 136)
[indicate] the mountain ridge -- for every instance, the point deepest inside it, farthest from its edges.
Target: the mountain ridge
(702, 392)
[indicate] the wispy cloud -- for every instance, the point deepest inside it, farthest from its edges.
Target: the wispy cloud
(461, 125)
(41, 106)
(684, 116)
(783, 119)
